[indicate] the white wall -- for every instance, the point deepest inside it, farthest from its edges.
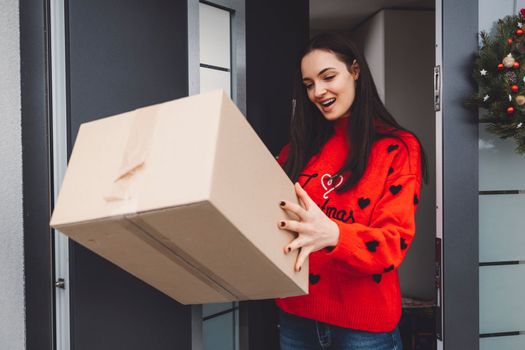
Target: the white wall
(409, 74)
(12, 315)
(399, 48)
(370, 36)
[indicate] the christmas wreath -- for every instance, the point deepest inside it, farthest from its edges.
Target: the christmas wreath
(500, 74)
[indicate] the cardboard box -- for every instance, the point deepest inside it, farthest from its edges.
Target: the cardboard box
(184, 196)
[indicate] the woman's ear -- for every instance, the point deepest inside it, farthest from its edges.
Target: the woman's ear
(355, 70)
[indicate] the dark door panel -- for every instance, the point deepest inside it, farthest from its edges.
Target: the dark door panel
(125, 54)
(111, 309)
(276, 31)
(122, 54)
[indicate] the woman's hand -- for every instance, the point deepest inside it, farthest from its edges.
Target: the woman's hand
(315, 230)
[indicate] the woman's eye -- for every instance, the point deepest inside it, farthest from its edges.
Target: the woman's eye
(308, 86)
(329, 77)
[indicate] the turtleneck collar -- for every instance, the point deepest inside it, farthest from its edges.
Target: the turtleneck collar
(340, 126)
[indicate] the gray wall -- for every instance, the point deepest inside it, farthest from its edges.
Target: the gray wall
(399, 48)
(12, 327)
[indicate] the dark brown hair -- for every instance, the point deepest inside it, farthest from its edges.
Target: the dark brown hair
(310, 130)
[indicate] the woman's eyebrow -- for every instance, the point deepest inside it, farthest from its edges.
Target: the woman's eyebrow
(321, 72)
(324, 70)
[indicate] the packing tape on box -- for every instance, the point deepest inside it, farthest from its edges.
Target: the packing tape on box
(164, 246)
(123, 192)
(123, 189)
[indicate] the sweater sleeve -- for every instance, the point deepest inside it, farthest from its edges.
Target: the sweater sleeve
(382, 245)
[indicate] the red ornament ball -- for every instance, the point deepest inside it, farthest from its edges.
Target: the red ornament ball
(519, 31)
(514, 88)
(516, 65)
(509, 40)
(500, 66)
(510, 110)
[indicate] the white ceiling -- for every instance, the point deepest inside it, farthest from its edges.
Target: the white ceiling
(347, 14)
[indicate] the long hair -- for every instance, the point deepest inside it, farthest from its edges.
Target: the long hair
(309, 130)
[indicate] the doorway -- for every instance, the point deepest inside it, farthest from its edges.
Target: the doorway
(398, 42)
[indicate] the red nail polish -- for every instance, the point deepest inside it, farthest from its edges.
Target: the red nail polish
(299, 269)
(289, 249)
(282, 203)
(283, 223)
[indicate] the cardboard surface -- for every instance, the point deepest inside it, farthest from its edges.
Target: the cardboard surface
(184, 196)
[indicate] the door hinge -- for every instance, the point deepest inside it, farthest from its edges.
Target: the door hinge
(60, 283)
(437, 88)
(439, 290)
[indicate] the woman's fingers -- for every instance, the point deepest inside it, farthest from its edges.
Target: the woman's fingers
(302, 203)
(300, 243)
(294, 208)
(304, 198)
(304, 251)
(301, 258)
(296, 244)
(291, 225)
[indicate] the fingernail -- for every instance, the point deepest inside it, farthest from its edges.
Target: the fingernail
(299, 269)
(282, 203)
(289, 249)
(282, 223)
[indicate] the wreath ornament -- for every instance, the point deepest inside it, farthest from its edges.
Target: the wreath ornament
(500, 74)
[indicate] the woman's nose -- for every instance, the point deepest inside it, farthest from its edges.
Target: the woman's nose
(320, 90)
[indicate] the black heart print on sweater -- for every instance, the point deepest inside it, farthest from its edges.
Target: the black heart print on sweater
(395, 189)
(392, 147)
(363, 202)
(314, 278)
(372, 245)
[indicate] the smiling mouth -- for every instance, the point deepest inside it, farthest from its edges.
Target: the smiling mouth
(328, 103)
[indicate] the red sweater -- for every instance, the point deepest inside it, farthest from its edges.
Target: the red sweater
(356, 285)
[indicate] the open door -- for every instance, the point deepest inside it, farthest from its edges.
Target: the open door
(111, 57)
(422, 76)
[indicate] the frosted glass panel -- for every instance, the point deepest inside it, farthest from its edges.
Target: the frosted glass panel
(501, 222)
(214, 32)
(490, 10)
(212, 79)
(499, 167)
(501, 305)
(210, 309)
(219, 333)
(516, 342)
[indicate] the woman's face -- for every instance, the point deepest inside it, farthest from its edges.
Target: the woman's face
(330, 85)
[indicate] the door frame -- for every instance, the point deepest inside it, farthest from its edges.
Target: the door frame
(458, 185)
(37, 177)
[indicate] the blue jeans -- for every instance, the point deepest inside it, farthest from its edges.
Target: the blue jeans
(297, 333)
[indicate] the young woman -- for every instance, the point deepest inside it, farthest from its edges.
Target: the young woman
(357, 175)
